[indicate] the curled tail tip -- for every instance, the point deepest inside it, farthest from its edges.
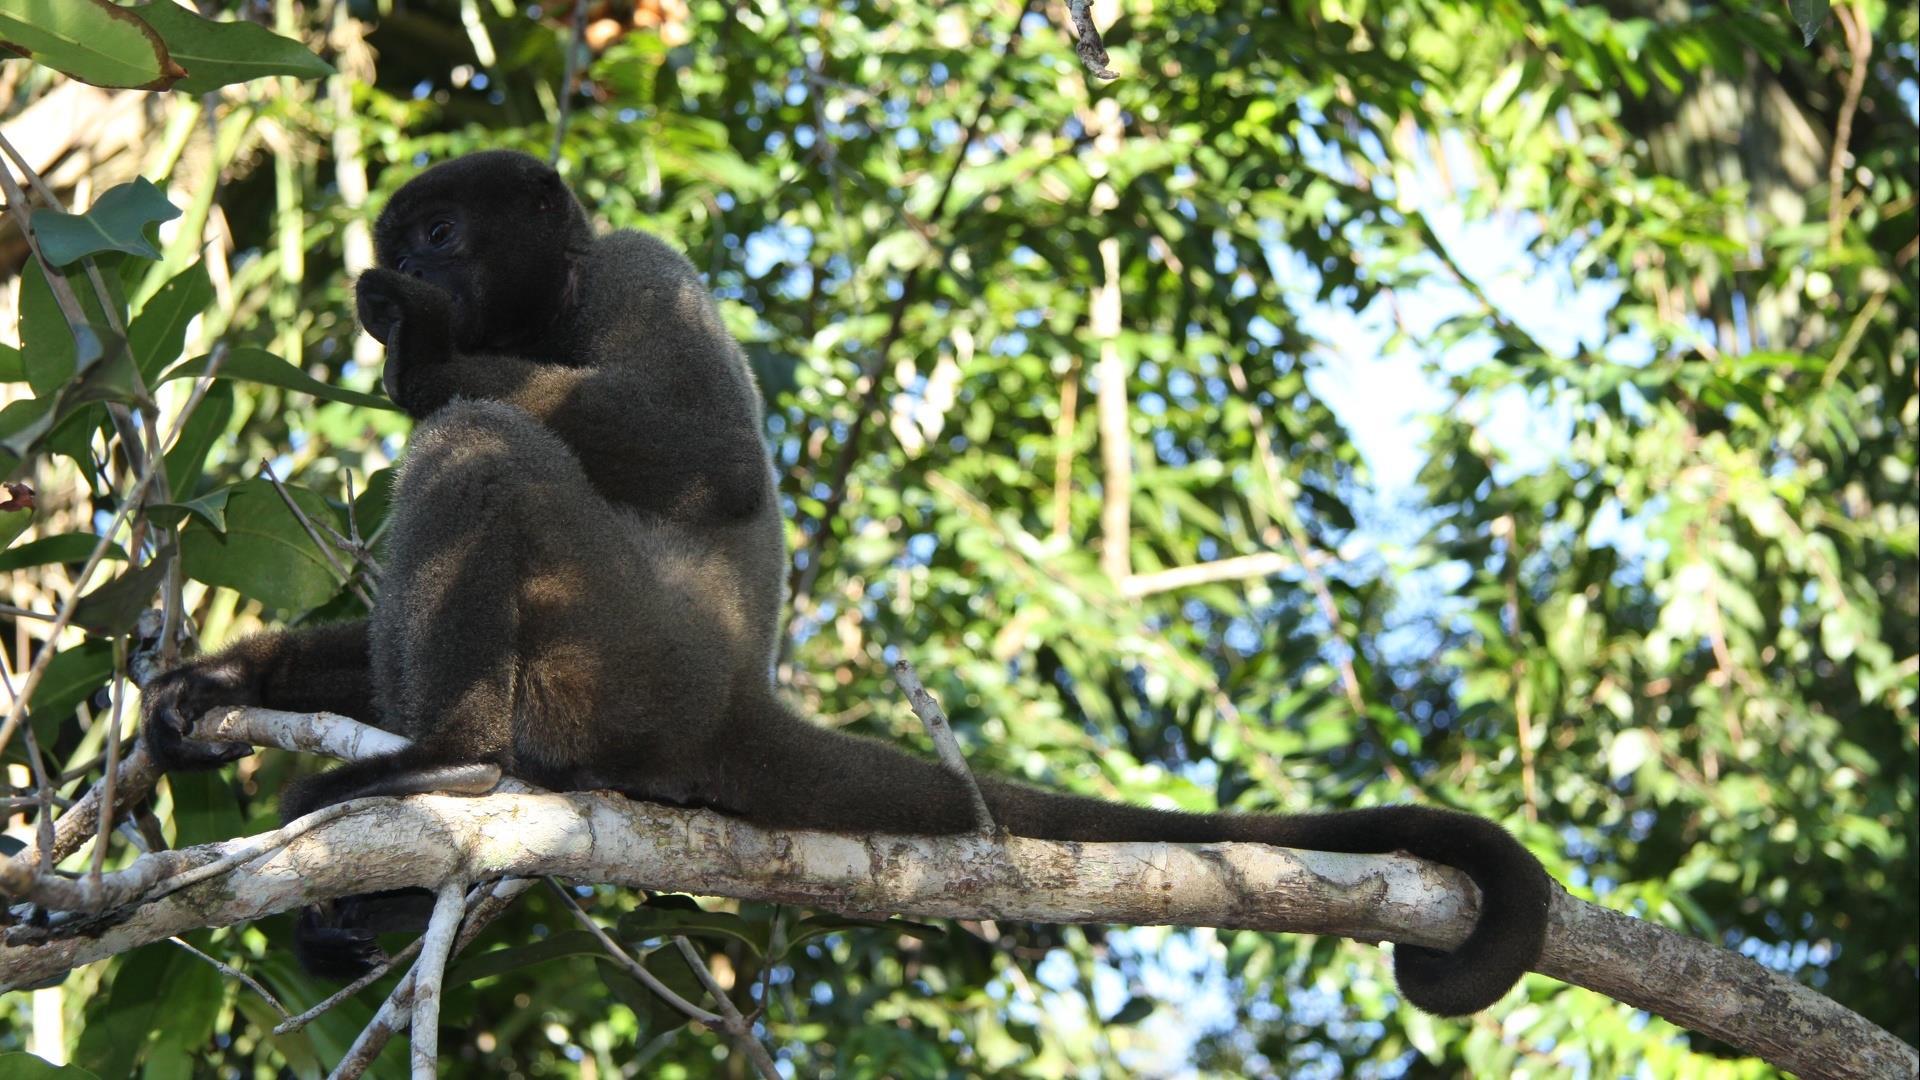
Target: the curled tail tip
(1505, 944)
(1453, 983)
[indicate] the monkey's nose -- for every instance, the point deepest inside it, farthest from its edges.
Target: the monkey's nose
(405, 265)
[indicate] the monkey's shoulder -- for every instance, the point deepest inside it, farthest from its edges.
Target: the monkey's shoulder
(631, 258)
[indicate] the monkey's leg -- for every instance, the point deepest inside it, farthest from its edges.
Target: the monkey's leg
(491, 514)
(447, 633)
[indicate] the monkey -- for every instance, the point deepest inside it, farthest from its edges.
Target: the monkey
(585, 572)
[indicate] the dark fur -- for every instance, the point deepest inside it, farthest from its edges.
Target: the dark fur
(584, 582)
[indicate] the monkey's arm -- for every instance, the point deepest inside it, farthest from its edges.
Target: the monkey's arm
(310, 669)
(680, 448)
(680, 438)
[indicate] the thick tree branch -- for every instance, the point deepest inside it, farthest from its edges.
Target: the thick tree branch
(431, 840)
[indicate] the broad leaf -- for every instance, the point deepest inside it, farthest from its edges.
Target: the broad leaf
(261, 366)
(158, 332)
(117, 221)
(649, 922)
(95, 41)
(110, 609)
(264, 553)
(63, 548)
(189, 453)
(218, 53)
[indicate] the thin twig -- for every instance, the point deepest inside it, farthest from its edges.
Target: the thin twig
(428, 973)
(112, 768)
(379, 971)
(944, 744)
(1110, 406)
(43, 795)
(234, 973)
(576, 43)
(1316, 581)
(733, 1023)
(633, 967)
(396, 1012)
(43, 787)
(356, 544)
(1260, 564)
(313, 534)
(1860, 48)
(1855, 330)
(1086, 42)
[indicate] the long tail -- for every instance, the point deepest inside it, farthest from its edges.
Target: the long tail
(1515, 893)
(1514, 889)
(784, 771)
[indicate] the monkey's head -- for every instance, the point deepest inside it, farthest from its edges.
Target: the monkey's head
(497, 231)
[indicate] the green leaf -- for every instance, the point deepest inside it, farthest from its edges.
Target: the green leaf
(649, 922)
(51, 349)
(814, 926)
(264, 553)
(501, 961)
(188, 457)
(13, 367)
(111, 609)
(210, 508)
(13, 523)
(193, 999)
(1810, 16)
(261, 366)
(63, 548)
(117, 221)
(218, 53)
(72, 677)
(371, 506)
(21, 425)
(158, 332)
(24, 1066)
(205, 809)
(94, 41)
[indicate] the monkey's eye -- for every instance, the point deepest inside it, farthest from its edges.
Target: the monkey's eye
(440, 233)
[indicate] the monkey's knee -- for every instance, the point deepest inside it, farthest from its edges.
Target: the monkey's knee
(471, 452)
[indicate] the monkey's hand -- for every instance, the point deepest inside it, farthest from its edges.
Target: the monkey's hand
(173, 701)
(412, 318)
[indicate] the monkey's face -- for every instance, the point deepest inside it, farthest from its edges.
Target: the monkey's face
(493, 231)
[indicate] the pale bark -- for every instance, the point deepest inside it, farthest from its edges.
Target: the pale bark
(595, 837)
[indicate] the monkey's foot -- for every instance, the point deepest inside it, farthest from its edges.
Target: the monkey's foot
(332, 952)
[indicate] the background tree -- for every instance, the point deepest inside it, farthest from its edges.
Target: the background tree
(1051, 367)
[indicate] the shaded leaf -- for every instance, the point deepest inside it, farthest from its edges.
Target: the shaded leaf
(261, 366)
(117, 221)
(158, 332)
(111, 609)
(94, 41)
(264, 552)
(1810, 16)
(513, 957)
(63, 548)
(218, 53)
